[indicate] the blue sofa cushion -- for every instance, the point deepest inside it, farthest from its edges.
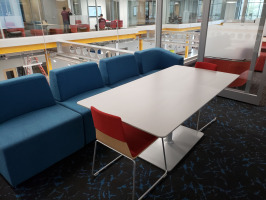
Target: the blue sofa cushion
(71, 103)
(156, 59)
(118, 68)
(24, 94)
(125, 81)
(73, 80)
(34, 141)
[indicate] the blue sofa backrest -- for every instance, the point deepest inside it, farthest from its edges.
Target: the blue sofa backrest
(118, 68)
(24, 94)
(73, 80)
(156, 58)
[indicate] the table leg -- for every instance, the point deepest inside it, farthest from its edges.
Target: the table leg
(169, 139)
(177, 145)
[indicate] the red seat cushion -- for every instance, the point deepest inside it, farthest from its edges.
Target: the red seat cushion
(137, 140)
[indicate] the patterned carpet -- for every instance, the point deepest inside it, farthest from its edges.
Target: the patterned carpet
(229, 162)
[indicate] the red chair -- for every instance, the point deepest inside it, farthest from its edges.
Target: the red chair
(113, 25)
(16, 32)
(123, 138)
(84, 28)
(53, 31)
(120, 23)
(207, 66)
(102, 25)
(74, 28)
(234, 67)
(36, 32)
(77, 21)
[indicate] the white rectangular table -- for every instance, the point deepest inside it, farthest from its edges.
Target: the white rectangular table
(160, 103)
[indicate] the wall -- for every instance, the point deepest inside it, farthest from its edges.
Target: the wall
(123, 8)
(132, 20)
(50, 12)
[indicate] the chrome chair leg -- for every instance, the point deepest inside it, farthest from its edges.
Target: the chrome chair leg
(94, 154)
(163, 176)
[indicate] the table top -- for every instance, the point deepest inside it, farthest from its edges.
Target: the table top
(162, 101)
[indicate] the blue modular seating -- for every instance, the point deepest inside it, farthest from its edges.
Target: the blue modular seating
(74, 83)
(119, 70)
(40, 125)
(35, 132)
(155, 59)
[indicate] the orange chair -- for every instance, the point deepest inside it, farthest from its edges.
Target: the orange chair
(124, 139)
(207, 66)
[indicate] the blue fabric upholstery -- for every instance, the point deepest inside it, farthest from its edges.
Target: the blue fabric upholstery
(34, 141)
(89, 129)
(125, 81)
(24, 94)
(36, 138)
(76, 79)
(72, 84)
(156, 59)
(118, 68)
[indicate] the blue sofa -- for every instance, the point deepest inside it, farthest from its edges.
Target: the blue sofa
(74, 83)
(119, 70)
(35, 132)
(155, 59)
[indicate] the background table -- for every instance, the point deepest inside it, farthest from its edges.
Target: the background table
(160, 103)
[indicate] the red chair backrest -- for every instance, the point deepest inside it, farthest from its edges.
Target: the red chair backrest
(74, 28)
(84, 25)
(110, 125)
(206, 65)
(17, 29)
(113, 24)
(36, 32)
(78, 21)
(120, 23)
(102, 25)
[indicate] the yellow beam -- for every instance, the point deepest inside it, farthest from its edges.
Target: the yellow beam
(182, 29)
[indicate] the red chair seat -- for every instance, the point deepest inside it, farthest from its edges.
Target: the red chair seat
(137, 140)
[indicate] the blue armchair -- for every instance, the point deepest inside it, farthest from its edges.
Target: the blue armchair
(72, 84)
(119, 70)
(155, 59)
(35, 132)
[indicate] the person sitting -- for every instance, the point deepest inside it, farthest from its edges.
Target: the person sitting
(101, 19)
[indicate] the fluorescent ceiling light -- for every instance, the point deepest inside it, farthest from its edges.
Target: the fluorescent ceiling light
(231, 2)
